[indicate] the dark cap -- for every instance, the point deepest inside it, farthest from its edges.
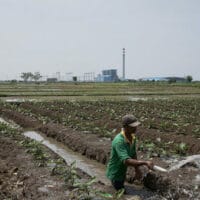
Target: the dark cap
(130, 120)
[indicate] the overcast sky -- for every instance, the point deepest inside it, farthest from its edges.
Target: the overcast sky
(161, 37)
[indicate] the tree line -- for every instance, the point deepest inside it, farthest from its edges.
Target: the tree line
(29, 76)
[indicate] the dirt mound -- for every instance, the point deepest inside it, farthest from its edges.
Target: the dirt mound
(193, 143)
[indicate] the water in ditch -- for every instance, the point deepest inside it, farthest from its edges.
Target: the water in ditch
(88, 166)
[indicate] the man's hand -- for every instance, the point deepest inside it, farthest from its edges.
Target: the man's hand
(149, 164)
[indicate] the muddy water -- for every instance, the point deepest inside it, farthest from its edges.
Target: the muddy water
(91, 167)
(190, 159)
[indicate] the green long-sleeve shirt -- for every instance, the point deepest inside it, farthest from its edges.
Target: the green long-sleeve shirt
(120, 151)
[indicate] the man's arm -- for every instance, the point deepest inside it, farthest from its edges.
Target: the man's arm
(137, 163)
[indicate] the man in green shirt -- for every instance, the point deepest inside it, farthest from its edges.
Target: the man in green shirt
(123, 153)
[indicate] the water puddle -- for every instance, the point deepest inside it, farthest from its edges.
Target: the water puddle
(90, 167)
(146, 98)
(10, 123)
(190, 159)
(137, 98)
(20, 100)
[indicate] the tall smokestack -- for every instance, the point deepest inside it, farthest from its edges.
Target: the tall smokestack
(123, 57)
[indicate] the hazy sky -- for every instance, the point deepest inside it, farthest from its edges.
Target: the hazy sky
(161, 37)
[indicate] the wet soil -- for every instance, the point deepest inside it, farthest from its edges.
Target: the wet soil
(21, 178)
(179, 184)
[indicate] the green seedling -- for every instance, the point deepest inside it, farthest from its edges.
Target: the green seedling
(181, 149)
(5, 129)
(84, 190)
(70, 175)
(35, 148)
(59, 167)
(117, 195)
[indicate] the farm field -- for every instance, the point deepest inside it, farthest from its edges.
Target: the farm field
(97, 89)
(28, 170)
(86, 117)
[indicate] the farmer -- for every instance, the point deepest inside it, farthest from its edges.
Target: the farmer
(123, 154)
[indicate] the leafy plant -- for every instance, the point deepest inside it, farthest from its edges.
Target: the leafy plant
(35, 148)
(59, 167)
(117, 195)
(181, 148)
(5, 129)
(83, 190)
(70, 175)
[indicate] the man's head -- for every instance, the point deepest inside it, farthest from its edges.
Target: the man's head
(130, 123)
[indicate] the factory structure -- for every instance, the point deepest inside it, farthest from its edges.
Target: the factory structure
(109, 75)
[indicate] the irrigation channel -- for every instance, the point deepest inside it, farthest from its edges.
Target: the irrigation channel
(88, 166)
(91, 167)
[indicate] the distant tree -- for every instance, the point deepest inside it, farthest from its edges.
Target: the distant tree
(189, 78)
(13, 81)
(74, 78)
(36, 76)
(172, 80)
(26, 75)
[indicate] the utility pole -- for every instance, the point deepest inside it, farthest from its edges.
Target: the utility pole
(123, 60)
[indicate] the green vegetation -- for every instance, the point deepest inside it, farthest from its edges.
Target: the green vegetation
(36, 149)
(30, 76)
(176, 113)
(82, 189)
(78, 188)
(7, 130)
(181, 149)
(105, 103)
(104, 117)
(96, 89)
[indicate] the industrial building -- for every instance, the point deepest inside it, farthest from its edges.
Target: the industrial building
(109, 75)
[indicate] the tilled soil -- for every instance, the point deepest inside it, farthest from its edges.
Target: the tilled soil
(175, 185)
(20, 178)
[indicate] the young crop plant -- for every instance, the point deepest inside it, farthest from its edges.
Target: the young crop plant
(7, 130)
(181, 149)
(35, 148)
(157, 149)
(70, 175)
(59, 167)
(83, 190)
(117, 195)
